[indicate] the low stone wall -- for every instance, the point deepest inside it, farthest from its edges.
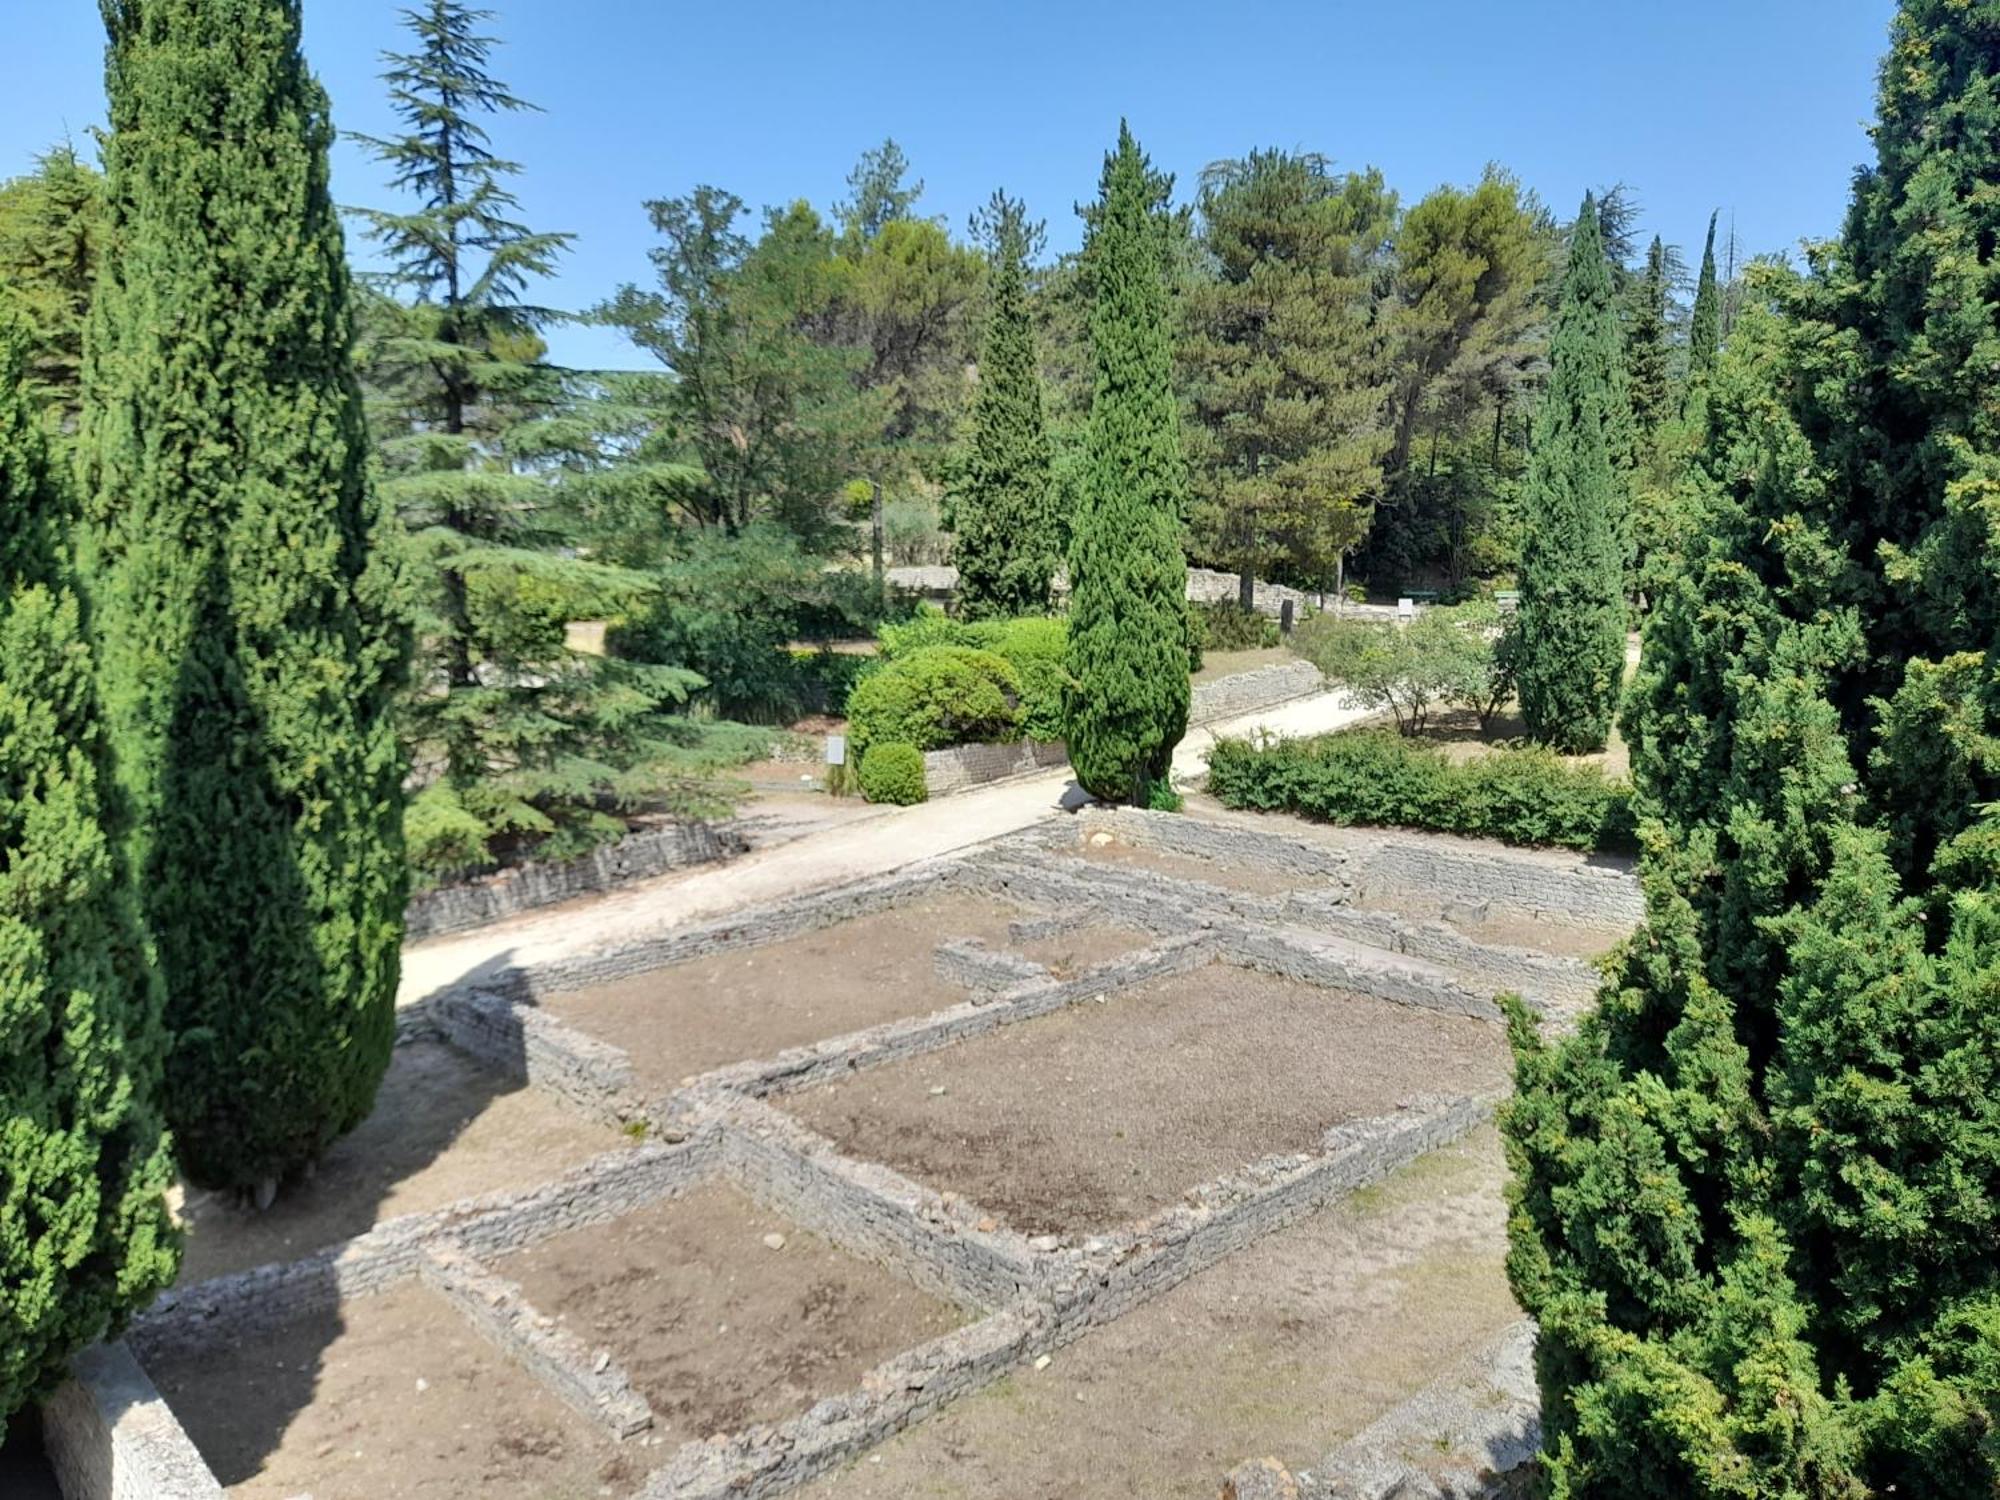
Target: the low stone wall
(1247, 692)
(1565, 981)
(109, 1436)
(526, 1045)
(1595, 890)
(970, 964)
(966, 766)
(458, 908)
(1198, 838)
(1206, 586)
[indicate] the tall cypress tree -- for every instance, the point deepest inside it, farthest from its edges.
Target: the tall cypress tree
(1128, 631)
(1705, 327)
(84, 1167)
(1571, 655)
(1758, 1194)
(1001, 499)
(1646, 344)
(249, 661)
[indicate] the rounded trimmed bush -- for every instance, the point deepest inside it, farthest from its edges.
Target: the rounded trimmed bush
(934, 698)
(892, 772)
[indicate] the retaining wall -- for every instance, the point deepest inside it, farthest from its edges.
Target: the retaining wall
(1247, 692)
(964, 766)
(109, 1436)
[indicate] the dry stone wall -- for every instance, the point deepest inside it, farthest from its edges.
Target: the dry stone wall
(109, 1436)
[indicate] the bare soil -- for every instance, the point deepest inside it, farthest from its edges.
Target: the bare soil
(397, 1398)
(1508, 929)
(1285, 1349)
(1215, 665)
(1070, 953)
(1105, 1112)
(443, 1129)
(734, 1007)
(716, 1329)
(1235, 877)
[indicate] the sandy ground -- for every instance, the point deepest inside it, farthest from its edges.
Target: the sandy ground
(398, 1398)
(443, 1129)
(715, 1328)
(1285, 1349)
(830, 857)
(1099, 1114)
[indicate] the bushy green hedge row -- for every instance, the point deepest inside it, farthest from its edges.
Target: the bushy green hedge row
(1031, 647)
(935, 698)
(1523, 796)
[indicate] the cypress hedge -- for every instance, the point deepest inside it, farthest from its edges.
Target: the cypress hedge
(249, 647)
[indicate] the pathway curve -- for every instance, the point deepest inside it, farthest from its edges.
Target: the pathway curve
(854, 850)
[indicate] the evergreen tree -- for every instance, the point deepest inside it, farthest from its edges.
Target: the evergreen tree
(51, 234)
(1290, 371)
(248, 656)
(1128, 632)
(1001, 497)
(1705, 328)
(1571, 653)
(85, 1237)
(495, 463)
(1646, 349)
(1758, 1193)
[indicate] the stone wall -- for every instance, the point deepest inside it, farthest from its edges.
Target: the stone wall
(1247, 692)
(1594, 890)
(109, 1436)
(965, 766)
(457, 908)
(1206, 586)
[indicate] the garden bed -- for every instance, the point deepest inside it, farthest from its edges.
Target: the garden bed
(1097, 1115)
(721, 1313)
(1304, 1337)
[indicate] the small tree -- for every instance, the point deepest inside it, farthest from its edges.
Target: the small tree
(1002, 496)
(1571, 658)
(1129, 627)
(84, 1232)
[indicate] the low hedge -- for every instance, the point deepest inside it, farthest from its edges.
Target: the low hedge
(936, 697)
(1525, 795)
(892, 772)
(1034, 646)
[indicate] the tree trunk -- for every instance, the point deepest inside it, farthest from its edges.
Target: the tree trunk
(1246, 591)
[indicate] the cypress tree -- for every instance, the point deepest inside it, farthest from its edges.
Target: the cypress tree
(1646, 344)
(1128, 632)
(1758, 1194)
(249, 662)
(1001, 499)
(1571, 654)
(1705, 327)
(85, 1236)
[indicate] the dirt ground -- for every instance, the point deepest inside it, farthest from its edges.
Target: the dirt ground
(1102, 1113)
(1216, 665)
(1070, 953)
(735, 1007)
(443, 1129)
(1235, 877)
(396, 1399)
(716, 1329)
(1508, 929)
(1285, 1349)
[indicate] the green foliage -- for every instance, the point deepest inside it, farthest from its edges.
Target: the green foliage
(1129, 634)
(85, 1236)
(249, 657)
(1525, 795)
(1036, 647)
(936, 697)
(893, 773)
(1570, 662)
(1756, 1194)
(1224, 626)
(1646, 346)
(1002, 493)
(1705, 330)
(51, 237)
(1461, 656)
(1285, 361)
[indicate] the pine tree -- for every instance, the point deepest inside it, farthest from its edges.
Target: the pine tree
(85, 1237)
(1705, 328)
(248, 656)
(1128, 633)
(51, 234)
(1646, 348)
(492, 461)
(1758, 1194)
(1001, 497)
(1571, 654)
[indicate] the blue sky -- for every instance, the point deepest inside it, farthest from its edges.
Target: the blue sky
(1756, 107)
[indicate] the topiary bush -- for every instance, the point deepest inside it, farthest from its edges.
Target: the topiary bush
(892, 772)
(934, 698)
(1034, 645)
(1526, 795)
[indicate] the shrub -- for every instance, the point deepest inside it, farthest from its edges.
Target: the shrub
(1225, 626)
(934, 698)
(1033, 645)
(1525, 795)
(892, 772)
(1461, 657)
